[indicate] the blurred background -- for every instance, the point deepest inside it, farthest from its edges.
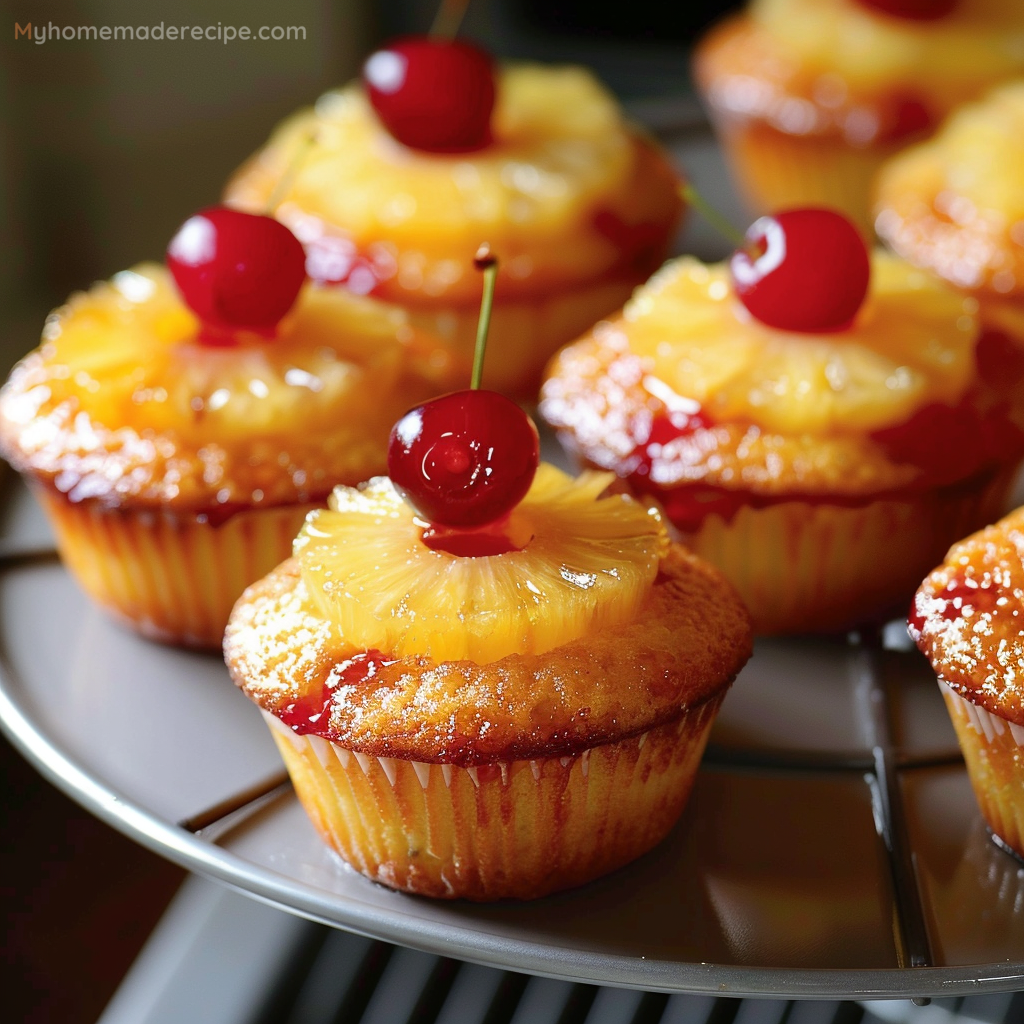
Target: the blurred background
(105, 148)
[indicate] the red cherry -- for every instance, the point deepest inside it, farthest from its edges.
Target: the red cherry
(237, 270)
(433, 94)
(915, 10)
(464, 459)
(802, 270)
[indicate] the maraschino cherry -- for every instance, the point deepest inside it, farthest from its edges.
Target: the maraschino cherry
(237, 270)
(802, 270)
(466, 459)
(434, 93)
(913, 10)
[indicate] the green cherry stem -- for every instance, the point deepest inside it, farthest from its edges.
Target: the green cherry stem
(486, 262)
(448, 19)
(712, 216)
(285, 182)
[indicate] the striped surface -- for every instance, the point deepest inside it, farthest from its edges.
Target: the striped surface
(173, 579)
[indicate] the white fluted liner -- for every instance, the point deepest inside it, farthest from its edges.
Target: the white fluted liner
(803, 566)
(513, 828)
(992, 746)
(173, 578)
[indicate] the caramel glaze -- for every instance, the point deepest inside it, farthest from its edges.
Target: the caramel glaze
(122, 468)
(631, 222)
(968, 618)
(594, 397)
(686, 645)
(738, 52)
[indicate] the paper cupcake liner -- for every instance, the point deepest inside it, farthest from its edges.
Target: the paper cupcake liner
(776, 171)
(814, 567)
(993, 750)
(172, 579)
(516, 829)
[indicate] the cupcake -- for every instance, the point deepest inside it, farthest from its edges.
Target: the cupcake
(954, 205)
(966, 619)
(393, 183)
(176, 448)
(810, 97)
(822, 440)
(487, 680)
(482, 726)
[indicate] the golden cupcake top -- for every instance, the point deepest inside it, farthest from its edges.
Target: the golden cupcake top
(687, 386)
(911, 343)
(124, 400)
(954, 204)
(959, 52)
(594, 630)
(842, 67)
(566, 190)
(479, 605)
(967, 618)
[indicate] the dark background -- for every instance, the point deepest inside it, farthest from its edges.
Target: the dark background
(105, 148)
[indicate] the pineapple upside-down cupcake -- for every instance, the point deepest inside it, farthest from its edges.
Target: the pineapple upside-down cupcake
(967, 618)
(819, 425)
(811, 96)
(486, 679)
(954, 204)
(176, 446)
(395, 181)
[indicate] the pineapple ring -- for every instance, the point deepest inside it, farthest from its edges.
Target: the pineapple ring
(122, 401)
(587, 564)
(954, 204)
(947, 59)
(912, 343)
(562, 155)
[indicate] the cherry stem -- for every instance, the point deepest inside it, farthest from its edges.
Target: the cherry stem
(486, 262)
(720, 223)
(448, 19)
(285, 182)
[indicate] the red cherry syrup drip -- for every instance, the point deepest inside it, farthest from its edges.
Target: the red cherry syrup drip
(666, 427)
(908, 116)
(912, 10)
(641, 247)
(469, 543)
(686, 505)
(311, 713)
(953, 443)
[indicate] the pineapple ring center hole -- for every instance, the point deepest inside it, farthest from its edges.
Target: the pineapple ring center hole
(492, 539)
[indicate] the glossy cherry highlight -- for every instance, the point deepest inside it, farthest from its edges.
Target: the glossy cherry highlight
(237, 270)
(913, 10)
(435, 95)
(465, 459)
(802, 270)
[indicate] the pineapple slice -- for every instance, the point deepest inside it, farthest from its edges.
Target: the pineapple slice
(912, 343)
(127, 353)
(949, 59)
(584, 564)
(562, 155)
